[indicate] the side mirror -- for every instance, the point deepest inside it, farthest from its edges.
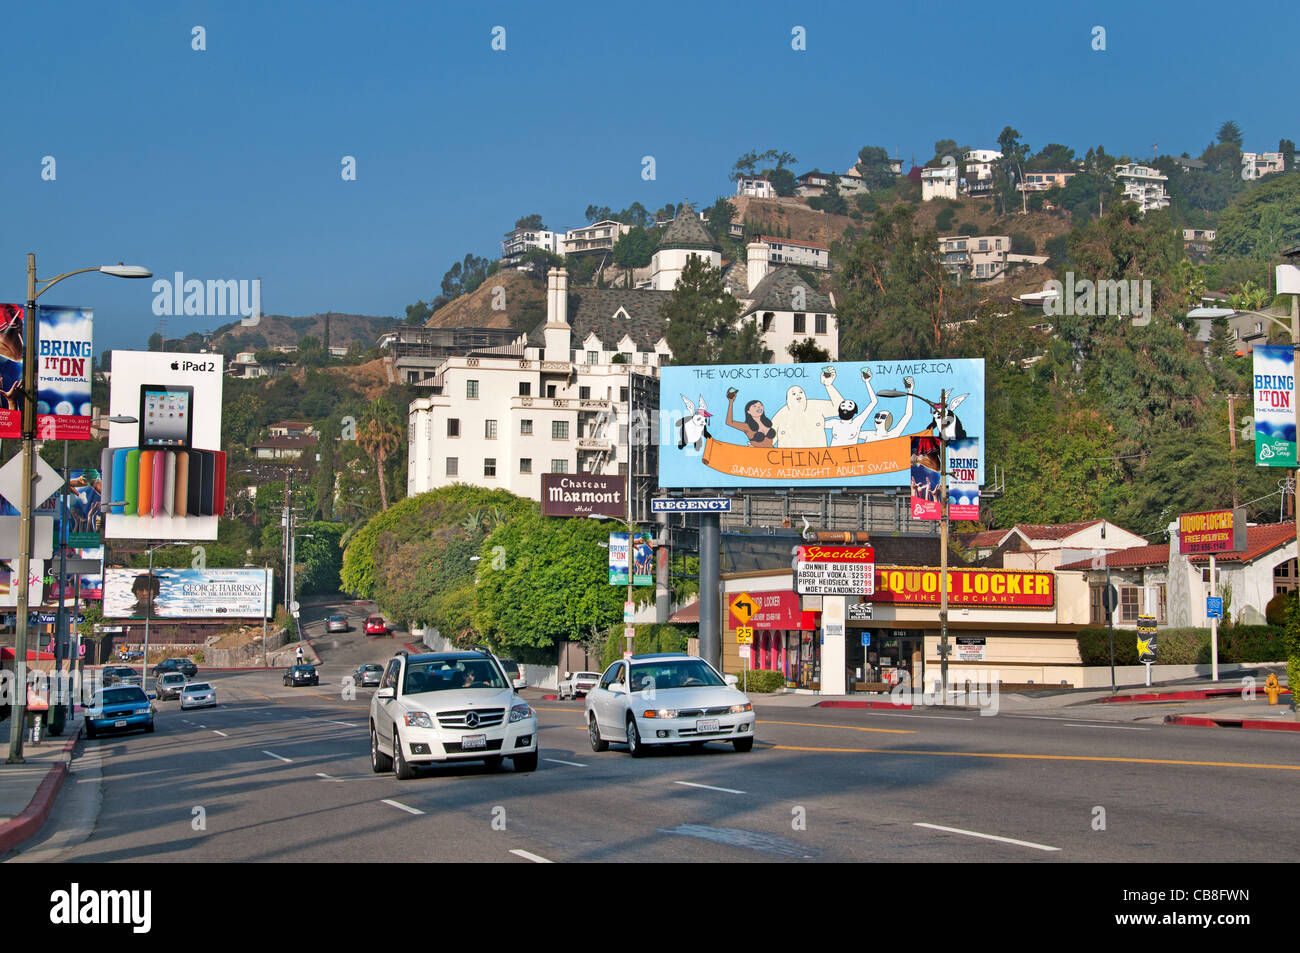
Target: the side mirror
(153, 695)
(730, 679)
(568, 675)
(616, 688)
(385, 692)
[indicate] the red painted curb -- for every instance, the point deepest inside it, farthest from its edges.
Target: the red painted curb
(1190, 695)
(412, 647)
(839, 704)
(1249, 723)
(19, 829)
(550, 698)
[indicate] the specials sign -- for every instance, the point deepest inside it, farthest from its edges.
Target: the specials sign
(1220, 531)
(583, 494)
(835, 570)
(966, 587)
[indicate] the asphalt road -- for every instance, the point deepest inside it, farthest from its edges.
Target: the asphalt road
(280, 774)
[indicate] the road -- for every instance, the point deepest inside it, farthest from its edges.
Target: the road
(281, 774)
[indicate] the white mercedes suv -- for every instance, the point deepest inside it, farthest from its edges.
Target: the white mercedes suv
(448, 706)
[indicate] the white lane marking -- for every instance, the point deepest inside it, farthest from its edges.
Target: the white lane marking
(327, 777)
(572, 764)
(345, 724)
(398, 804)
(222, 733)
(1005, 840)
(709, 787)
(278, 756)
(533, 857)
(1116, 727)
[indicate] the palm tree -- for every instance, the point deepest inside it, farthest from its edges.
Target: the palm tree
(378, 437)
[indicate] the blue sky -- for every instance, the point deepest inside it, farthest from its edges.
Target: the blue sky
(226, 163)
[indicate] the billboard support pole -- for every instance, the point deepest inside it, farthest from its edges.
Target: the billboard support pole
(148, 613)
(710, 581)
(1214, 628)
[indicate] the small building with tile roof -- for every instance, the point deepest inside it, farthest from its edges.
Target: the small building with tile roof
(685, 238)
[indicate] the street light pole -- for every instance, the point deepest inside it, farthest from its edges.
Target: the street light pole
(18, 711)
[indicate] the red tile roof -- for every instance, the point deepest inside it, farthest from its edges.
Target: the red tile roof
(1156, 555)
(1260, 539)
(688, 614)
(985, 538)
(1053, 530)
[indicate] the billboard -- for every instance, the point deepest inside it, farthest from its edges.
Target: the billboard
(808, 425)
(915, 585)
(924, 501)
(35, 582)
(583, 494)
(63, 361)
(1219, 531)
(11, 371)
(166, 472)
(1275, 413)
(186, 593)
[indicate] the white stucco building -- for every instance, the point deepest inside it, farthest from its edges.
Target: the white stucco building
(519, 240)
(684, 239)
(939, 183)
(755, 188)
(788, 251)
(1255, 164)
(1143, 185)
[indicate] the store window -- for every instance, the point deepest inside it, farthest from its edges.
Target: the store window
(1130, 603)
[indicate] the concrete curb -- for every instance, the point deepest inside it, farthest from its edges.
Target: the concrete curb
(1255, 724)
(1190, 695)
(27, 824)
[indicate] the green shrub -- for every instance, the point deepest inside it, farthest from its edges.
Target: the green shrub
(650, 637)
(968, 228)
(943, 221)
(760, 681)
(1242, 644)
(1022, 244)
(1276, 610)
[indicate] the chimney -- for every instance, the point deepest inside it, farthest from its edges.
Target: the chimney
(756, 257)
(557, 330)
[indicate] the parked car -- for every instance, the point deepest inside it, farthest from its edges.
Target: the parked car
(198, 695)
(667, 698)
(445, 707)
(113, 674)
(301, 675)
(375, 625)
(170, 684)
(183, 665)
(120, 708)
(368, 674)
(577, 683)
(511, 668)
(338, 622)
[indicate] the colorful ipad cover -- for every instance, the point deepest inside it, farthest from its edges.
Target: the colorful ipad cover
(168, 482)
(193, 507)
(219, 483)
(132, 496)
(144, 507)
(105, 480)
(119, 479)
(159, 482)
(181, 500)
(209, 483)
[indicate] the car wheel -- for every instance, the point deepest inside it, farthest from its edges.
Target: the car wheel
(90, 731)
(744, 744)
(593, 732)
(634, 746)
(148, 729)
(401, 769)
(379, 762)
(525, 762)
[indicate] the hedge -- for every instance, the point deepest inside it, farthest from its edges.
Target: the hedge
(760, 681)
(650, 637)
(1240, 643)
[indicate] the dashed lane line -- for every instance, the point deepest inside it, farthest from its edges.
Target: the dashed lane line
(533, 857)
(1004, 840)
(398, 804)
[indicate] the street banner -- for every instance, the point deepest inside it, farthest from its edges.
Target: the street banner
(963, 479)
(63, 360)
(11, 370)
(779, 426)
(1275, 411)
(643, 560)
(1219, 531)
(925, 479)
(186, 593)
(618, 559)
(1146, 638)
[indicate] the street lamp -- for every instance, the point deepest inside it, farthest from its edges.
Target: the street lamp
(941, 415)
(18, 709)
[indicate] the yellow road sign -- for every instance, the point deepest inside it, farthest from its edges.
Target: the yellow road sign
(744, 635)
(744, 608)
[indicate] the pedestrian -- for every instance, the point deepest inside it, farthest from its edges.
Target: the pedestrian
(300, 655)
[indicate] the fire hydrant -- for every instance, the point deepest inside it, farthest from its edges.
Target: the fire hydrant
(1271, 687)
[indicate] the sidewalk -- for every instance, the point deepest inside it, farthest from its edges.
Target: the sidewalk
(27, 791)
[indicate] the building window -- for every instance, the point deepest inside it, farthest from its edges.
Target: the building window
(584, 393)
(525, 464)
(453, 466)
(819, 324)
(1162, 604)
(559, 466)
(550, 390)
(645, 358)
(622, 435)
(626, 356)
(800, 323)
(559, 430)
(1129, 603)
(593, 357)
(768, 320)
(1097, 614)
(525, 389)
(490, 467)
(453, 426)
(525, 428)
(471, 390)
(490, 429)
(622, 395)
(622, 469)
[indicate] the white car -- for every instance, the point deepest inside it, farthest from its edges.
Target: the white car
(198, 695)
(445, 707)
(170, 684)
(577, 683)
(667, 698)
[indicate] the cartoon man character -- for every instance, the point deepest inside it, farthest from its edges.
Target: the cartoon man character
(802, 422)
(884, 420)
(846, 427)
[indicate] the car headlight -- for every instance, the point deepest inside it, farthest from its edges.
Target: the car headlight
(740, 709)
(418, 719)
(520, 712)
(659, 713)
(141, 711)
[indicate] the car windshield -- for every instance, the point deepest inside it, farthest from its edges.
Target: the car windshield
(595, 675)
(173, 677)
(372, 668)
(443, 674)
(304, 669)
(674, 673)
(123, 696)
(198, 687)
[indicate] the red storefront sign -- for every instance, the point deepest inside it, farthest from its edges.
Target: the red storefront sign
(1219, 531)
(919, 585)
(778, 610)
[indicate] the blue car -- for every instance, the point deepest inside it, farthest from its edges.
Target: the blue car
(121, 708)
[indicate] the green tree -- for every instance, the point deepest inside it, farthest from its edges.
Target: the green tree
(703, 321)
(529, 221)
(873, 164)
(1230, 132)
(808, 351)
(318, 560)
(379, 434)
(464, 277)
(418, 314)
(720, 215)
(784, 182)
(634, 249)
(1262, 221)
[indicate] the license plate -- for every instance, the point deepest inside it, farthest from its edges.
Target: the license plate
(119, 724)
(706, 726)
(473, 741)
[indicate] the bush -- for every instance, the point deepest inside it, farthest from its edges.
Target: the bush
(650, 637)
(968, 228)
(1022, 244)
(1242, 644)
(760, 681)
(1276, 610)
(943, 221)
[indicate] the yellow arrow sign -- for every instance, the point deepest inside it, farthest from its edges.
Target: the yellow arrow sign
(744, 608)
